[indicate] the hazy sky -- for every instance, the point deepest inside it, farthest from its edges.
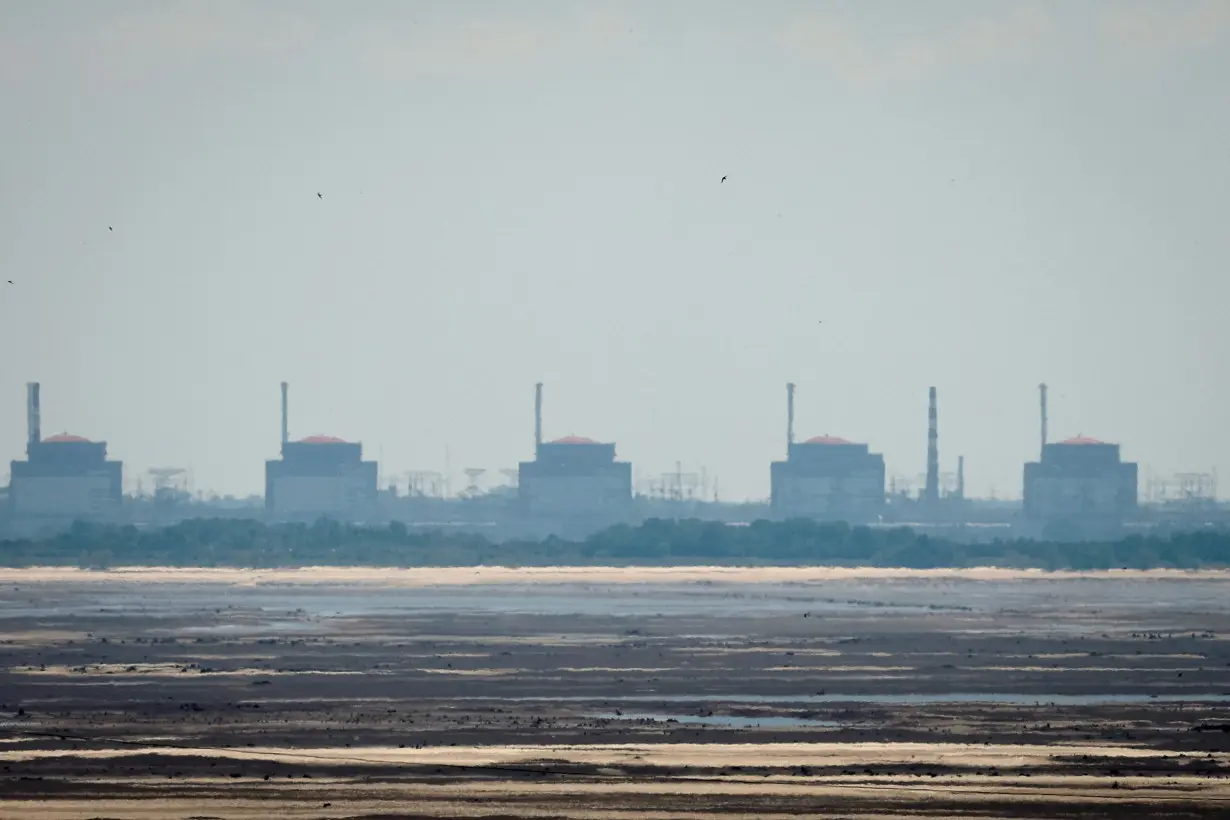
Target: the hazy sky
(973, 195)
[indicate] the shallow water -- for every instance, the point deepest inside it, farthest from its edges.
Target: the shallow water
(1097, 602)
(724, 721)
(1008, 698)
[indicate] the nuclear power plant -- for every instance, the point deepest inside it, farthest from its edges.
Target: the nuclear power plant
(319, 476)
(1077, 488)
(573, 482)
(826, 477)
(64, 477)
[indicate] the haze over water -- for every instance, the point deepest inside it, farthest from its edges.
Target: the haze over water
(979, 196)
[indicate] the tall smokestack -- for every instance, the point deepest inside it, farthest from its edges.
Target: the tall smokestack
(537, 417)
(34, 425)
(1042, 397)
(789, 416)
(285, 415)
(932, 492)
(961, 477)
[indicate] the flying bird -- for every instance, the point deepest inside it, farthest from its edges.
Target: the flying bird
(722, 180)
(110, 228)
(319, 195)
(10, 281)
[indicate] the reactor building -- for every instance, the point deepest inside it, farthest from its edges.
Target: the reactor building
(64, 477)
(319, 476)
(826, 478)
(1081, 482)
(573, 478)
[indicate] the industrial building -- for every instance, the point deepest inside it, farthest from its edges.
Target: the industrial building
(64, 477)
(1081, 482)
(319, 476)
(573, 477)
(1076, 489)
(826, 477)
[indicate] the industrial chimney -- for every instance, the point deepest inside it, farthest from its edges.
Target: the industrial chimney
(537, 418)
(789, 417)
(285, 410)
(34, 427)
(961, 477)
(1042, 395)
(932, 491)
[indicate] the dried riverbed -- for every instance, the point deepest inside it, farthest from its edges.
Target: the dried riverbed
(613, 692)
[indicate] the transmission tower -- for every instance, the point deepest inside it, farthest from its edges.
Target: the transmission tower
(474, 474)
(425, 483)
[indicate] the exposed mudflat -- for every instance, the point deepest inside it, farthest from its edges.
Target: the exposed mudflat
(613, 692)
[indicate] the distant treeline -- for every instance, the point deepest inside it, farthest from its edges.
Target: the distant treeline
(244, 543)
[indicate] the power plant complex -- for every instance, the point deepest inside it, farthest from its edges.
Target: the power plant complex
(1078, 488)
(574, 483)
(319, 476)
(826, 477)
(64, 476)
(1080, 481)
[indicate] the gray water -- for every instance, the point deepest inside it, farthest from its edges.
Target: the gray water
(726, 721)
(898, 596)
(1008, 698)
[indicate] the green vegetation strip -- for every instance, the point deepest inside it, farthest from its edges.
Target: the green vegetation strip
(244, 543)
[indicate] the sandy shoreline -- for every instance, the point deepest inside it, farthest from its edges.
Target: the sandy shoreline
(454, 576)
